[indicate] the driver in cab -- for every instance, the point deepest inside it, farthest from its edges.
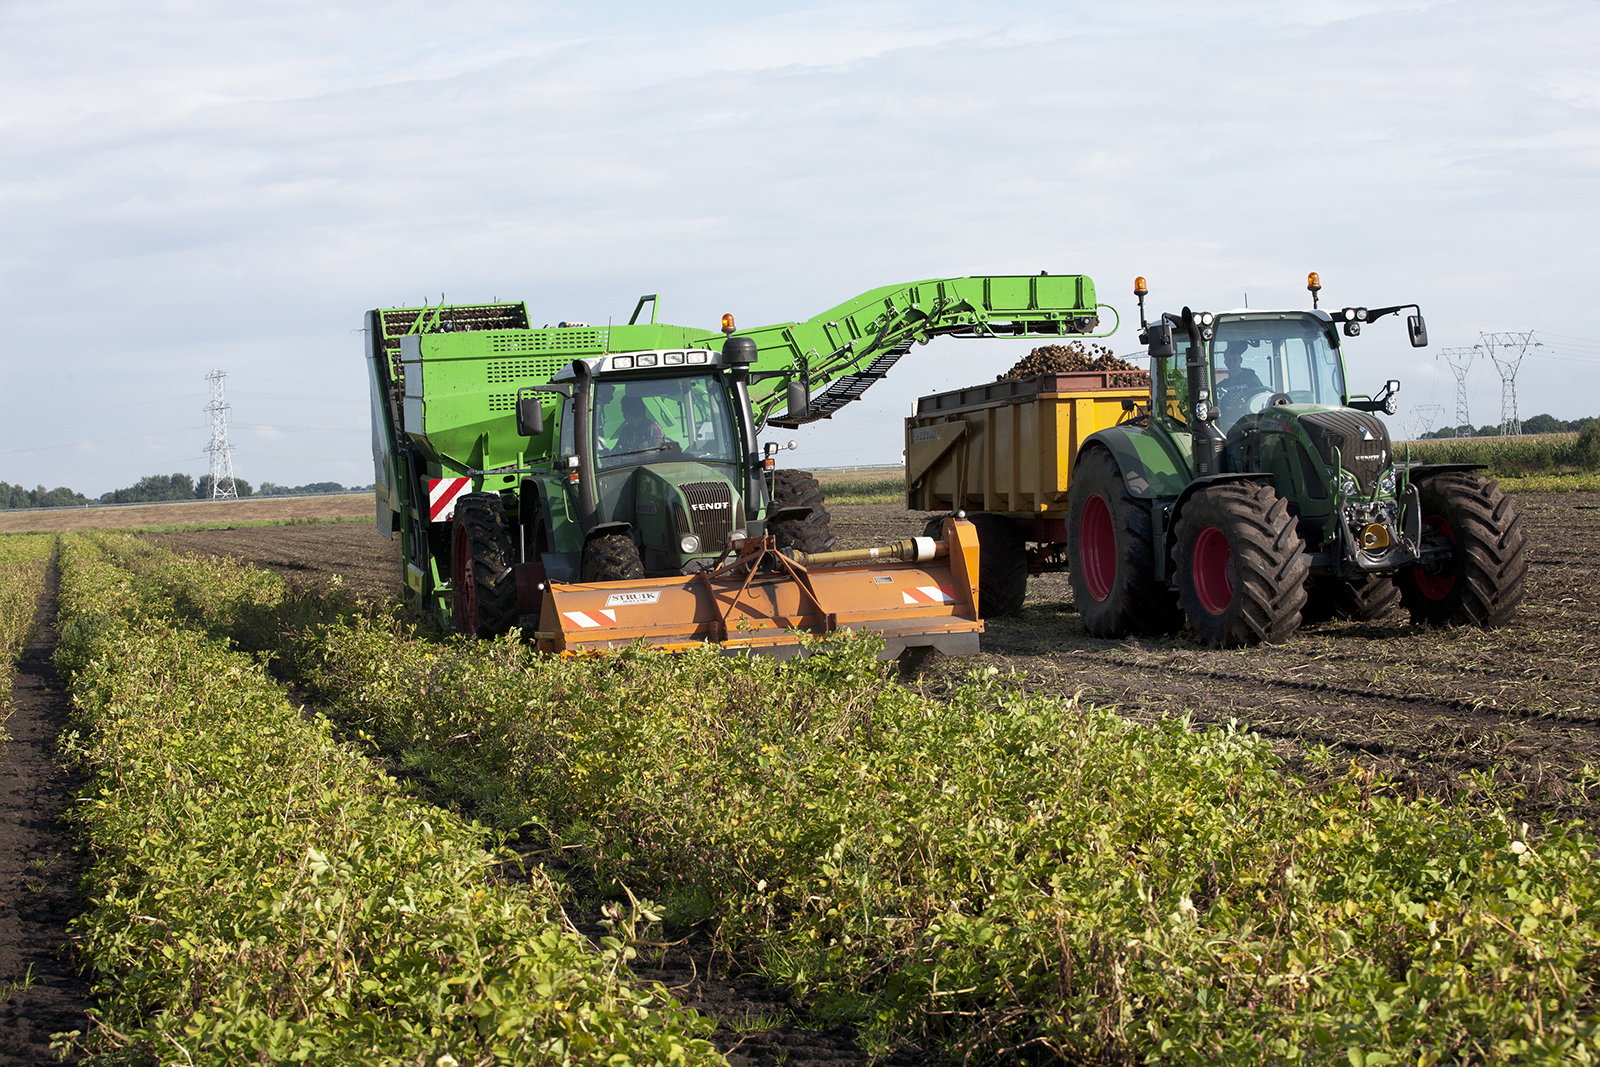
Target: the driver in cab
(1237, 384)
(640, 432)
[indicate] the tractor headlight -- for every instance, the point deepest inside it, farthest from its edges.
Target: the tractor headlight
(1348, 484)
(1387, 482)
(689, 543)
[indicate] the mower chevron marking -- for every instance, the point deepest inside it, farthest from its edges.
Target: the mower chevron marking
(586, 619)
(929, 594)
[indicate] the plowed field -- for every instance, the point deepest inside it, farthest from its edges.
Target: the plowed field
(1520, 704)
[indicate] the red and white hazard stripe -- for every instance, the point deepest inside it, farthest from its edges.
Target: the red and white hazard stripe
(442, 493)
(930, 594)
(589, 619)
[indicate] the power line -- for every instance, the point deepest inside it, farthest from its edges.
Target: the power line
(102, 441)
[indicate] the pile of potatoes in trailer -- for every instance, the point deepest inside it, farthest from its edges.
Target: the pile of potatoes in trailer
(1076, 357)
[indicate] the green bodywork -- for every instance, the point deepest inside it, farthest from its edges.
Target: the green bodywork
(445, 381)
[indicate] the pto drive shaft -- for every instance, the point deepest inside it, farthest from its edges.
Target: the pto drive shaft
(910, 550)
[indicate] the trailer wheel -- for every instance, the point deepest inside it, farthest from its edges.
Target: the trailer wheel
(1111, 554)
(611, 557)
(1002, 565)
(814, 533)
(1241, 571)
(484, 581)
(1483, 580)
(1360, 599)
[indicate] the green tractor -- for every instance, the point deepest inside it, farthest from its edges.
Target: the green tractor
(1255, 491)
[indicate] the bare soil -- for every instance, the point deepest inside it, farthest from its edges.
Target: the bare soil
(250, 509)
(40, 866)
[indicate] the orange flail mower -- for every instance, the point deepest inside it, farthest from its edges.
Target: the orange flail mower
(920, 592)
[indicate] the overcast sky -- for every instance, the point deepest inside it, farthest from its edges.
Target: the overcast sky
(189, 186)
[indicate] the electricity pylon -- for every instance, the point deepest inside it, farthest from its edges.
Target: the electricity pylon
(221, 451)
(1460, 361)
(1506, 351)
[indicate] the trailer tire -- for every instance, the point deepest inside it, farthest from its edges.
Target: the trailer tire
(1241, 566)
(1002, 565)
(1111, 554)
(611, 557)
(1361, 599)
(1485, 581)
(482, 575)
(814, 533)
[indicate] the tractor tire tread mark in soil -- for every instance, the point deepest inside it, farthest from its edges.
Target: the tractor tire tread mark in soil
(1491, 560)
(485, 584)
(1266, 565)
(814, 533)
(611, 557)
(1133, 602)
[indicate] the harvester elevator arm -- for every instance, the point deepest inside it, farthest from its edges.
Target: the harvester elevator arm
(849, 347)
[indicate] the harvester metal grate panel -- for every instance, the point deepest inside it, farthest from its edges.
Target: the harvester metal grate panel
(502, 401)
(711, 510)
(503, 371)
(569, 339)
(1362, 441)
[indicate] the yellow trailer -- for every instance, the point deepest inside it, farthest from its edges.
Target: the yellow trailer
(1001, 455)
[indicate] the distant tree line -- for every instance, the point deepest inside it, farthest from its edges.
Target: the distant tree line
(14, 496)
(154, 488)
(1536, 424)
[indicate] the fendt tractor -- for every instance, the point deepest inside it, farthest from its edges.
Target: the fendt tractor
(1255, 491)
(605, 484)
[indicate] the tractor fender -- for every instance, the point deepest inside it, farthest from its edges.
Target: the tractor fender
(1147, 469)
(1419, 471)
(1169, 534)
(601, 528)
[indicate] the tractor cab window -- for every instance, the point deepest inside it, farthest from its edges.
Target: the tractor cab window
(1255, 359)
(651, 420)
(1169, 383)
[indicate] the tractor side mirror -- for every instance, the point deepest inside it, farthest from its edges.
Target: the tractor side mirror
(1159, 336)
(1418, 330)
(530, 415)
(799, 400)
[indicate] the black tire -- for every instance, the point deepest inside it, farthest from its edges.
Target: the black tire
(1002, 565)
(1111, 554)
(814, 533)
(1485, 578)
(611, 557)
(1360, 599)
(481, 573)
(1241, 569)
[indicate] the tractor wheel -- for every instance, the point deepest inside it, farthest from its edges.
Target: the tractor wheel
(814, 533)
(481, 572)
(1111, 554)
(611, 557)
(1359, 599)
(1482, 582)
(1002, 565)
(1241, 571)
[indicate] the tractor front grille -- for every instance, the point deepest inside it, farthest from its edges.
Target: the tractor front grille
(1361, 439)
(711, 512)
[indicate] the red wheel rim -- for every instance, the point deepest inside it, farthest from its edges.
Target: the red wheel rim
(1436, 586)
(1211, 582)
(1097, 545)
(466, 590)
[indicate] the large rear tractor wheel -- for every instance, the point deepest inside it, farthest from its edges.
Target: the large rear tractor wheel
(814, 533)
(1483, 578)
(1002, 565)
(1241, 571)
(485, 597)
(1360, 599)
(611, 557)
(1111, 554)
